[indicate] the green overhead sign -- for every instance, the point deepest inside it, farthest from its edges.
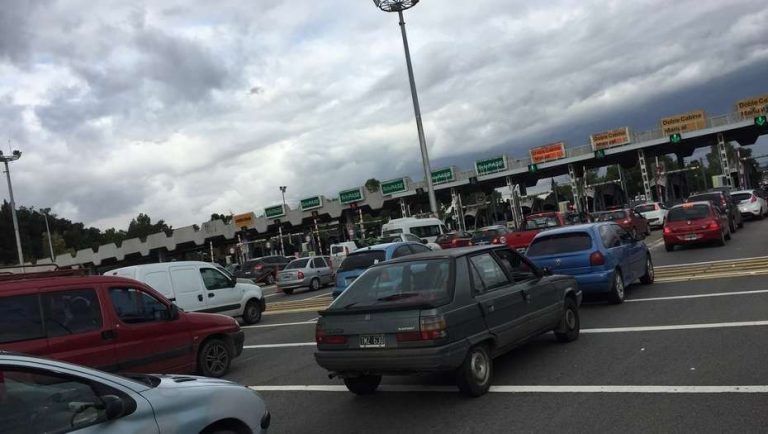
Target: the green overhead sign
(675, 138)
(491, 165)
(761, 121)
(309, 203)
(442, 176)
(600, 153)
(533, 168)
(350, 196)
(274, 211)
(394, 186)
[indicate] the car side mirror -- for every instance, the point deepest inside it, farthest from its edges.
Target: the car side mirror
(114, 406)
(173, 312)
(232, 282)
(423, 241)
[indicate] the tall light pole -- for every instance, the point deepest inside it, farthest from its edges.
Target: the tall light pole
(5, 159)
(399, 6)
(48, 230)
(280, 227)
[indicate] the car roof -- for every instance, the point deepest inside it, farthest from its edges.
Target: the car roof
(443, 254)
(584, 227)
(382, 247)
(35, 283)
(695, 202)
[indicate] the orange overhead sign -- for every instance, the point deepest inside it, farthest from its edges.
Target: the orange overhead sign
(552, 151)
(684, 122)
(609, 139)
(752, 107)
(244, 220)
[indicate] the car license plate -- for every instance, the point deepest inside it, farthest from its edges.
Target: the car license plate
(691, 237)
(371, 341)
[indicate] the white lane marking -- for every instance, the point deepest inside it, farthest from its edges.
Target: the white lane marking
(261, 326)
(677, 327)
(713, 294)
(529, 389)
(272, 295)
(318, 296)
(656, 244)
(723, 261)
(294, 344)
(598, 330)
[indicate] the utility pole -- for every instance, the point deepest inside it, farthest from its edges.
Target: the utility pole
(5, 159)
(48, 231)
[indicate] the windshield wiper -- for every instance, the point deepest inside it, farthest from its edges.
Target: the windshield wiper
(400, 296)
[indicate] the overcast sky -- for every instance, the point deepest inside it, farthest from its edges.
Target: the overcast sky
(184, 108)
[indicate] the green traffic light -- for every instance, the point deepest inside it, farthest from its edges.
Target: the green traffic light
(675, 138)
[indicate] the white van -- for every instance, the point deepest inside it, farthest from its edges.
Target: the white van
(426, 228)
(200, 287)
(339, 251)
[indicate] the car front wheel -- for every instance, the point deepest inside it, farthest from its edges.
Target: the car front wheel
(474, 375)
(617, 290)
(650, 274)
(214, 358)
(252, 312)
(568, 330)
(363, 385)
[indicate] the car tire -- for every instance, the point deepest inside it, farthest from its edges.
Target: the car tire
(650, 273)
(252, 312)
(728, 235)
(363, 385)
(618, 291)
(287, 291)
(214, 358)
(314, 284)
(741, 223)
(568, 329)
(474, 375)
(669, 247)
(732, 226)
(270, 279)
(634, 233)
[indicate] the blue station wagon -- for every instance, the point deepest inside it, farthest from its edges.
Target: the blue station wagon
(603, 257)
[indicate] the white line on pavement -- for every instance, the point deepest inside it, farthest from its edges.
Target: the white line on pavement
(713, 294)
(261, 326)
(598, 330)
(318, 296)
(711, 262)
(528, 389)
(716, 325)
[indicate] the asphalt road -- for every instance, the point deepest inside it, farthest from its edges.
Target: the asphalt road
(686, 374)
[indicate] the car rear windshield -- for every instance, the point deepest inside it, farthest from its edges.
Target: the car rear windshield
(426, 231)
(425, 282)
(685, 213)
(299, 263)
(561, 243)
(540, 222)
(488, 233)
(645, 208)
(362, 260)
(709, 196)
(738, 197)
(390, 232)
(612, 215)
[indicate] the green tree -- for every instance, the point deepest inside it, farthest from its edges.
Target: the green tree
(223, 217)
(372, 185)
(142, 226)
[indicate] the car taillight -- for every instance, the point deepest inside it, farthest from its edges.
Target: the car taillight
(667, 230)
(502, 240)
(713, 225)
(455, 242)
(299, 275)
(495, 241)
(656, 206)
(430, 328)
(257, 267)
(322, 338)
(626, 221)
(754, 199)
(596, 258)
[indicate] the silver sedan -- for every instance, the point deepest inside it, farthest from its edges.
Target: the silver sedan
(42, 395)
(311, 273)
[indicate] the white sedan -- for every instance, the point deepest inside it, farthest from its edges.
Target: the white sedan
(654, 212)
(750, 203)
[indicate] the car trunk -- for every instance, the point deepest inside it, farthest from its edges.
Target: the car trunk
(566, 263)
(566, 253)
(689, 219)
(288, 275)
(370, 328)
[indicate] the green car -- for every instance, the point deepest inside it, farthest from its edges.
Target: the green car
(447, 310)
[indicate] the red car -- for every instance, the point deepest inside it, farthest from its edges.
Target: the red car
(536, 223)
(112, 323)
(693, 223)
(453, 239)
(629, 219)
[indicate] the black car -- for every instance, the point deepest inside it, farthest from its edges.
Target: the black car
(262, 269)
(448, 310)
(724, 202)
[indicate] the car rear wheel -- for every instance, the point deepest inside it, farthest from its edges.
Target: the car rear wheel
(650, 274)
(314, 284)
(568, 330)
(731, 225)
(214, 358)
(721, 241)
(617, 290)
(252, 312)
(728, 235)
(270, 279)
(474, 375)
(288, 291)
(363, 385)
(669, 247)
(634, 233)
(741, 222)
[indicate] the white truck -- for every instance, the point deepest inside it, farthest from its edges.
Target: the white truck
(424, 228)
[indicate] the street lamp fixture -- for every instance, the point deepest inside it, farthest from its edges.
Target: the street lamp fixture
(5, 159)
(399, 6)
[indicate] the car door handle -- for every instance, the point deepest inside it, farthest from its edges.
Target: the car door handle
(200, 297)
(108, 335)
(490, 307)
(211, 295)
(526, 295)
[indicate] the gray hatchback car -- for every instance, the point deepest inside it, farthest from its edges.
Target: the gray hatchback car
(312, 273)
(449, 310)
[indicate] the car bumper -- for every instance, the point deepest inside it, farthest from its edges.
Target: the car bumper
(750, 210)
(687, 238)
(289, 284)
(595, 283)
(400, 360)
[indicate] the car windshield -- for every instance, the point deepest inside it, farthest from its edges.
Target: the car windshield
(362, 260)
(485, 234)
(390, 232)
(540, 222)
(421, 282)
(612, 215)
(645, 208)
(685, 213)
(299, 263)
(560, 243)
(740, 197)
(426, 231)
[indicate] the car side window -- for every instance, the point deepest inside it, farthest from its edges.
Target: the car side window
(35, 400)
(623, 235)
(20, 319)
(488, 272)
(515, 265)
(133, 306)
(318, 263)
(414, 238)
(71, 312)
(609, 236)
(420, 248)
(401, 251)
(213, 279)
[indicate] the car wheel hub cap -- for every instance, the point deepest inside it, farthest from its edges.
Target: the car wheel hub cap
(650, 269)
(619, 286)
(570, 319)
(479, 367)
(216, 358)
